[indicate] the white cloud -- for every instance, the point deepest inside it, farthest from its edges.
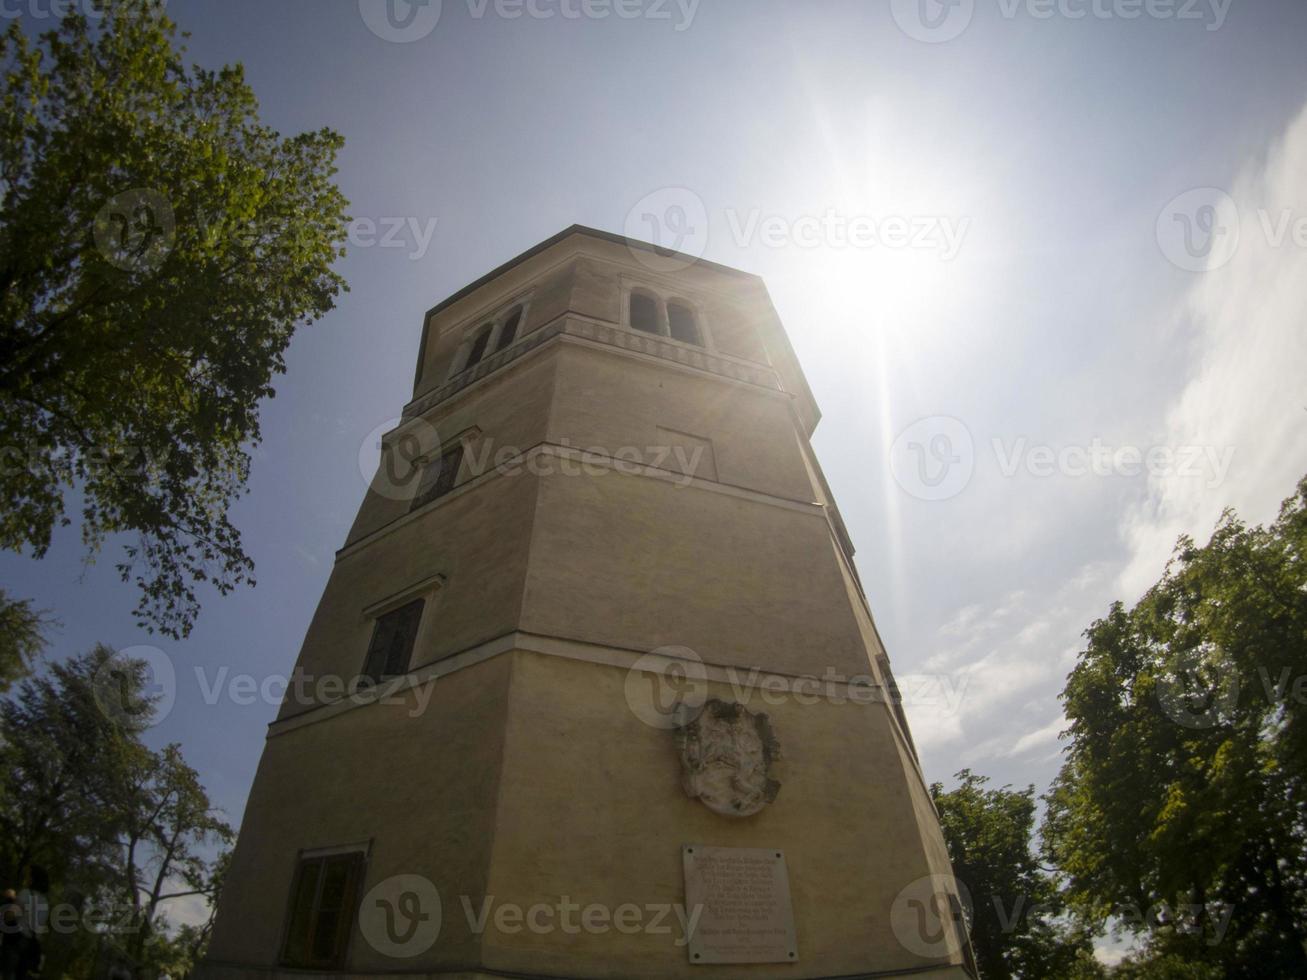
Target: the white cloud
(1241, 353)
(1041, 738)
(1246, 391)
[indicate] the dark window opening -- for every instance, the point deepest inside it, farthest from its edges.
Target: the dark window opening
(644, 313)
(509, 333)
(439, 476)
(323, 898)
(478, 350)
(392, 642)
(680, 322)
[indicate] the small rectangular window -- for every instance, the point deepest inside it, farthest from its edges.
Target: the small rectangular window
(393, 638)
(680, 321)
(508, 333)
(644, 313)
(439, 476)
(323, 898)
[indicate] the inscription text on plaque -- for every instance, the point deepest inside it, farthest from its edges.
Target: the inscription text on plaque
(745, 896)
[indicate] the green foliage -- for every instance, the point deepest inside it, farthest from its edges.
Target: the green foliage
(1017, 919)
(1180, 807)
(117, 826)
(22, 638)
(158, 247)
(1164, 966)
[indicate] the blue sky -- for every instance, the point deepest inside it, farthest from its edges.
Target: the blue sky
(1053, 150)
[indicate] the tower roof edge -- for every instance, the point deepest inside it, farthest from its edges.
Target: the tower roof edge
(568, 232)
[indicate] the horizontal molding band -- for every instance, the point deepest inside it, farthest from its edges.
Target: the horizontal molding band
(744, 676)
(581, 457)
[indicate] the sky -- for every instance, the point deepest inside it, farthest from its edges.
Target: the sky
(1044, 263)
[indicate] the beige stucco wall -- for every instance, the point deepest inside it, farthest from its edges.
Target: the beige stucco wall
(528, 776)
(641, 563)
(418, 780)
(617, 818)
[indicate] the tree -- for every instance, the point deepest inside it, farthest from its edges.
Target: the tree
(164, 819)
(158, 247)
(22, 638)
(1016, 921)
(1180, 808)
(59, 754)
(118, 826)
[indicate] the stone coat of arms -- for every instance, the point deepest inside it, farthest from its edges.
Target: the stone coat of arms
(726, 756)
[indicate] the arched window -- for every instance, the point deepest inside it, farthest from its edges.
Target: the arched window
(478, 350)
(644, 313)
(508, 333)
(680, 322)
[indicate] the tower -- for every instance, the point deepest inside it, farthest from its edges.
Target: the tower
(593, 689)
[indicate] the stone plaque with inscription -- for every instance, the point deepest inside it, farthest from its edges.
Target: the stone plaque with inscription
(746, 915)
